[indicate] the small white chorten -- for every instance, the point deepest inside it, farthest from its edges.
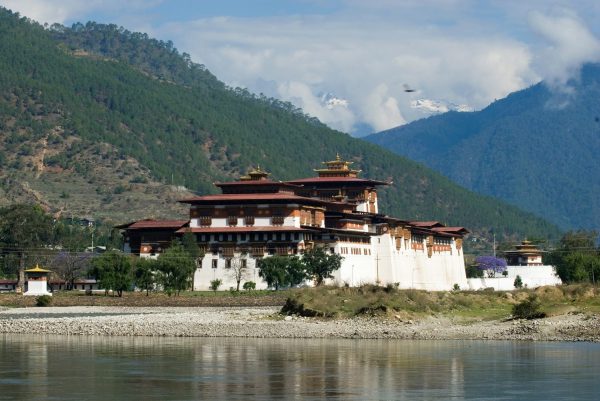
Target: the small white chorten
(37, 281)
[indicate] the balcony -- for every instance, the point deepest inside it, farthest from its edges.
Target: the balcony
(258, 251)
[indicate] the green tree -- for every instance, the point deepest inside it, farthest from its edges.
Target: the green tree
(24, 229)
(145, 271)
(113, 272)
(215, 284)
(295, 271)
(273, 270)
(320, 265)
(577, 258)
(190, 244)
(175, 269)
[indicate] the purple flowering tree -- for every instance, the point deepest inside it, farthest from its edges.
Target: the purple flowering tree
(491, 265)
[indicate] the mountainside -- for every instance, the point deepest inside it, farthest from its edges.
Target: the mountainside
(122, 116)
(537, 149)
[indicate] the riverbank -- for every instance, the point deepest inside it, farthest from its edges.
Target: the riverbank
(154, 299)
(266, 322)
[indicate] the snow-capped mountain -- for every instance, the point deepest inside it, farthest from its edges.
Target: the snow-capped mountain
(438, 106)
(329, 100)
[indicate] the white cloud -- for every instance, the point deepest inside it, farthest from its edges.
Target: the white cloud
(381, 110)
(301, 95)
(569, 45)
(364, 61)
(61, 11)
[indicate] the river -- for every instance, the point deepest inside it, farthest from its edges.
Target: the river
(126, 368)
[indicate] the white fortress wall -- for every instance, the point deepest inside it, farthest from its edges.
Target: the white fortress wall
(531, 276)
(497, 283)
(414, 268)
(355, 269)
(204, 275)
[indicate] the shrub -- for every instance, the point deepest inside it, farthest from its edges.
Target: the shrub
(43, 300)
(528, 309)
(215, 284)
(390, 288)
(473, 272)
(249, 285)
(518, 282)
(456, 287)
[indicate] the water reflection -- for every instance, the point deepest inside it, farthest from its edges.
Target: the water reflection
(62, 367)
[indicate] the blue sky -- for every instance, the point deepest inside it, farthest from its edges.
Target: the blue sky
(348, 62)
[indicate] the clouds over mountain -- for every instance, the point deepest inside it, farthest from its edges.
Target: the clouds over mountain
(465, 52)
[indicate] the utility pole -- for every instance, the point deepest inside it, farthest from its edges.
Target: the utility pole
(92, 229)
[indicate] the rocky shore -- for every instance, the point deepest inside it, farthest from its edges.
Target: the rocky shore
(265, 322)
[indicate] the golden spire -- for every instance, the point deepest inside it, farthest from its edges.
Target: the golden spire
(255, 174)
(337, 168)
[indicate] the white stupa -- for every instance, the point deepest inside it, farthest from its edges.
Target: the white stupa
(37, 281)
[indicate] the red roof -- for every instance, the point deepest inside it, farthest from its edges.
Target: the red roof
(150, 224)
(317, 180)
(451, 229)
(254, 183)
(278, 196)
(8, 281)
(239, 229)
(428, 224)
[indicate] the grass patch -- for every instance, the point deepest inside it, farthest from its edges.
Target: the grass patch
(371, 300)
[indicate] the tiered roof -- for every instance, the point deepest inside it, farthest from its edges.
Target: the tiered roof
(337, 171)
(525, 248)
(257, 188)
(153, 224)
(277, 197)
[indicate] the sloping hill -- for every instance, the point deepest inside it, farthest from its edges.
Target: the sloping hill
(175, 122)
(537, 149)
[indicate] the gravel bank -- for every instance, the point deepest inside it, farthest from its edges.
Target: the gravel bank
(264, 322)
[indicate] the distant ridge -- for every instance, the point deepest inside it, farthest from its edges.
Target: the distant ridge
(537, 149)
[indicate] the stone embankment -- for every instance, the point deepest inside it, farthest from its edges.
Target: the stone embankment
(265, 322)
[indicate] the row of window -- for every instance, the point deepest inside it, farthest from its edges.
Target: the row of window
(354, 251)
(233, 220)
(251, 237)
(229, 263)
(356, 240)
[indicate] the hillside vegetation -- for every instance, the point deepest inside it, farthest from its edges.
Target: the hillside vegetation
(537, 149)
(72, 97)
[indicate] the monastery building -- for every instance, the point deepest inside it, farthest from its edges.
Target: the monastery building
(256, 217)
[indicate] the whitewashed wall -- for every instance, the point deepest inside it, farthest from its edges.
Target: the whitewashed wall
(531, 276)
(204, 275)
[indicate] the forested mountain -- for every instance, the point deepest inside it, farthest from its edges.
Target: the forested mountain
(537, 149)
(97, 103)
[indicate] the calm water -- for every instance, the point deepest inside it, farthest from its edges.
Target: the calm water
(96, 368)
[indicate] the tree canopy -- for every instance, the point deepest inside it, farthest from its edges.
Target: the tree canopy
(175, 269)
(113, 272)
(320, 265)
(577, 258)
